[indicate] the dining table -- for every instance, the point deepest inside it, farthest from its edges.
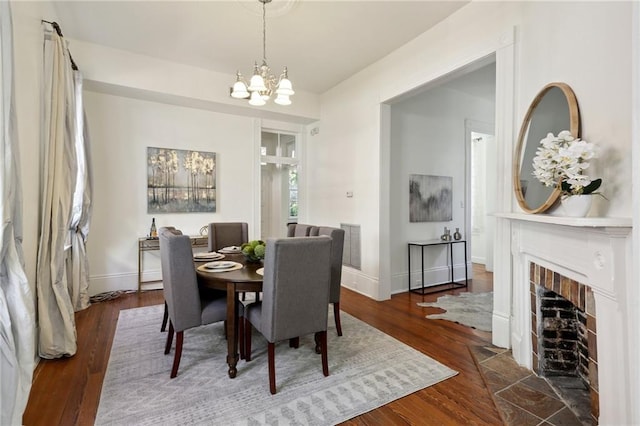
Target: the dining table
(234, 282)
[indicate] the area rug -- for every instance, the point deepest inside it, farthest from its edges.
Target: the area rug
(367, 370)
(470, 309)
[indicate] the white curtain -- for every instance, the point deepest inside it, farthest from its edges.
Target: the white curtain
(81, 210)
(17, 311)
(62, 270)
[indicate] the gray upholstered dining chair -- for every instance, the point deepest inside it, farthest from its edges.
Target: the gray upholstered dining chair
(165, 316)
(226, 234)
(298, 230)
(337, 247)
(295, 294)
(187, 309)
(204, 292)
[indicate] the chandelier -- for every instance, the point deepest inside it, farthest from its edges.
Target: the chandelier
(263, 83)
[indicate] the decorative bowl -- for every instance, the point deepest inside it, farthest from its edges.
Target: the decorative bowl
(253, 251)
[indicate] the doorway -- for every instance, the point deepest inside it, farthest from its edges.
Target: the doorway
(481, 196)
(430, 134)
(279, 183)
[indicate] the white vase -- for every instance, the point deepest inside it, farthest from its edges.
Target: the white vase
(576, 205)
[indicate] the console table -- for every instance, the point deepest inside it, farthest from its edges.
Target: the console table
(438, 287)
(149, 244)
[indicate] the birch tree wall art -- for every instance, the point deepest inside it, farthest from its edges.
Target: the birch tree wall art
(430, 198)
(180, 181)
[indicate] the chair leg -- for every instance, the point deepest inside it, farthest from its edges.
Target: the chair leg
(316, 337)
(241, 321)
(167, 347)
(336, 316)
(247, 340)
(294, 342)
(178, 354)
(165, 317)
(271, 354)
(323, 345)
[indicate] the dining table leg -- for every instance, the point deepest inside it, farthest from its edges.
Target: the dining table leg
(232, 329)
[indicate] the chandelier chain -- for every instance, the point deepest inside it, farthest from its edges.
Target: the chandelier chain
(264, 31)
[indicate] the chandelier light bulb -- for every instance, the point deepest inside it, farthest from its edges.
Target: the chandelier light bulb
(239, 88)
(257, 82)
(282, 100)
(256, 99)
(284, 86)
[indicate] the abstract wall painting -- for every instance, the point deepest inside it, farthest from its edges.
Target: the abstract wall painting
(430, 198)
(180, 181)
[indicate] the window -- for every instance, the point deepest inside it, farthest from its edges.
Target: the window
(293, 194)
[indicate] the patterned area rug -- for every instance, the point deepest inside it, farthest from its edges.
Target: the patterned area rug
(367, 370)
(470, 309)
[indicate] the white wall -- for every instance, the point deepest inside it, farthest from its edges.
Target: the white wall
(554, 42)
(428, 137)
(121, 130)
(343, 157)
(582, 58)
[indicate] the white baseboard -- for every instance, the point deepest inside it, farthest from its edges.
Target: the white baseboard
(356, 280)
(432, 276)
(500, 330)
(126, 281)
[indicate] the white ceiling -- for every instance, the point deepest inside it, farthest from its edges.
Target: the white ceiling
(321, 42)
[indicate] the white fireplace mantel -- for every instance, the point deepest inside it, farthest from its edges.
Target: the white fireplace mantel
(584, 222)
(593, 251)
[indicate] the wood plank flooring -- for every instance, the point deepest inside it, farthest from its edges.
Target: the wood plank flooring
(67, 391)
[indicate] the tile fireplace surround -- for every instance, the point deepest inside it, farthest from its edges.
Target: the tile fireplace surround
(598, 253)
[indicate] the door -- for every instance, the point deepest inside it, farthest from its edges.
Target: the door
(279, 183)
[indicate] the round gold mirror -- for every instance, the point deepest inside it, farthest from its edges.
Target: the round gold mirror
(554, 109)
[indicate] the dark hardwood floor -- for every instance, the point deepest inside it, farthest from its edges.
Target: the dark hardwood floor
(67, 391)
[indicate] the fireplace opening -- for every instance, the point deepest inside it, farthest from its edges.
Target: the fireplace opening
(562, 337)
(563, 353)
(564, 340)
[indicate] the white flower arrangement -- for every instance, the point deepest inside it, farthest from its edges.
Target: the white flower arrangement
(561, 161)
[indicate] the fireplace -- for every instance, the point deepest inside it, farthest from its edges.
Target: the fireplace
(563, 339)
(588, 262)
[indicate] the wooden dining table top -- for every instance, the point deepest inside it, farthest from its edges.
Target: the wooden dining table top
(247, 274)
